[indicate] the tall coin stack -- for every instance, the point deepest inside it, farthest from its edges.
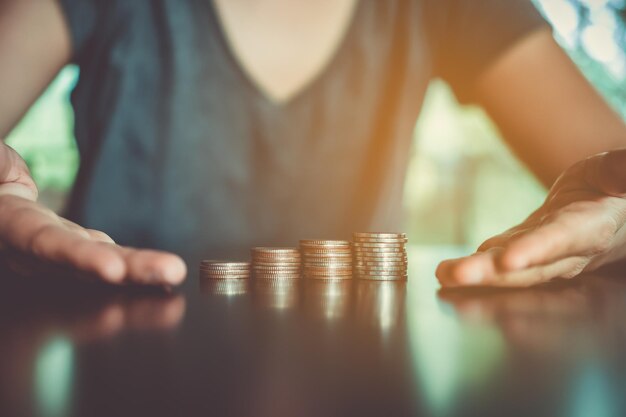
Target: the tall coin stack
(276, 263)
(326, 259)
(380, 256)
(211, 269)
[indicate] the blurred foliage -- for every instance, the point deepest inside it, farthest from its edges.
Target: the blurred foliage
(463, 184)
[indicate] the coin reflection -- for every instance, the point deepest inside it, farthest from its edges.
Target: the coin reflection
(224, 287)
(329, 299)
(380, 303)
(278, 294)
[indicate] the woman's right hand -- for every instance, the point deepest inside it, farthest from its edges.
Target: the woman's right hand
(32, 235)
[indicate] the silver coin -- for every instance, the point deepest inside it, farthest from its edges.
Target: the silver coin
(326, 250)
(377, 240)
(327, 264)
(378, 245)
(383, 235)
(225, 263)
(231, 276)
(277, 277)
(329, 277)
(362, 262)
(379, 251)
(269, 249)
(280, 263)
(277, 268)
(383, 278)
(316, 243)
(382, 272)
(327, 256)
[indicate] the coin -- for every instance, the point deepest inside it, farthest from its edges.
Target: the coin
(326, 254)
(274, 263)
(378, 245)
(383, 278)
(258, 275)
(224, 270)
(228, 264)
(323, 251)
(370, 272)
(326, 259)
(316, 244)
(386, 235)
(270, 250)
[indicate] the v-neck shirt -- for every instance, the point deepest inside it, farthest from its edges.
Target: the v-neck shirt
(180, 150)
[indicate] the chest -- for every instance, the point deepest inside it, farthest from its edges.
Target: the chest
(283, 45)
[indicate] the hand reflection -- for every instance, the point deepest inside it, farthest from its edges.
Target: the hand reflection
(89, 315)
(40, 345)
(551, 318)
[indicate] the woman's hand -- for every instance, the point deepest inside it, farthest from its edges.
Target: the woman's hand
(32, 237)
(579, 227)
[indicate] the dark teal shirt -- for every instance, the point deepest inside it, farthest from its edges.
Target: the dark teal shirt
(179, 150)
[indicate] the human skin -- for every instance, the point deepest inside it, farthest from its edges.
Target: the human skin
(549, 114)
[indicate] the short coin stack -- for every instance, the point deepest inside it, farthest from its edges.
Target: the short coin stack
(276, 263)
(211, 269)
(380, 256)
(326, 259)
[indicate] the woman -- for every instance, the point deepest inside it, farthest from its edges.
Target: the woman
(229, 123)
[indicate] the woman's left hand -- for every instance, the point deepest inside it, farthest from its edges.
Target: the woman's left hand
(579, 227)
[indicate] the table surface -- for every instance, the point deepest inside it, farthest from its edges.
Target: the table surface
(312, 348)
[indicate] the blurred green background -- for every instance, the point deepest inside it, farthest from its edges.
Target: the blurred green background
(463, 183)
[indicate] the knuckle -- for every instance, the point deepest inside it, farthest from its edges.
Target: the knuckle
(38, 242)
(603, 238)
(576, 270)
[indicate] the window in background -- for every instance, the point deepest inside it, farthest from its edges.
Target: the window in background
(463, 184)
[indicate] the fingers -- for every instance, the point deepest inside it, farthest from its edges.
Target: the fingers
(15, 178)
(58, 244)
(35, 231)
(153, 267)
(565, 235)
(115, 264)
(481, 269)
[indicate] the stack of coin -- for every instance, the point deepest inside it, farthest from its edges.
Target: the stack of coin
(380, 256)
(211, 269)
(326, 259)
(276, 263)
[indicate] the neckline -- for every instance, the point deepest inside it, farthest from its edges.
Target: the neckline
(308, 86)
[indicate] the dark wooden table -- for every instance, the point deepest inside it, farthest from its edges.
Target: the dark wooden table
(318, 349)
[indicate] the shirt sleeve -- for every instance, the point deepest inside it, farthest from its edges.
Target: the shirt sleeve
(466, 36)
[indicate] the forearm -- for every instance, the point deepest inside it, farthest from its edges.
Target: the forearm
(547, 111)
(34, 46)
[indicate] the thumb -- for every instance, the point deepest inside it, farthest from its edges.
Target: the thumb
(15, 178)
(607, 172)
